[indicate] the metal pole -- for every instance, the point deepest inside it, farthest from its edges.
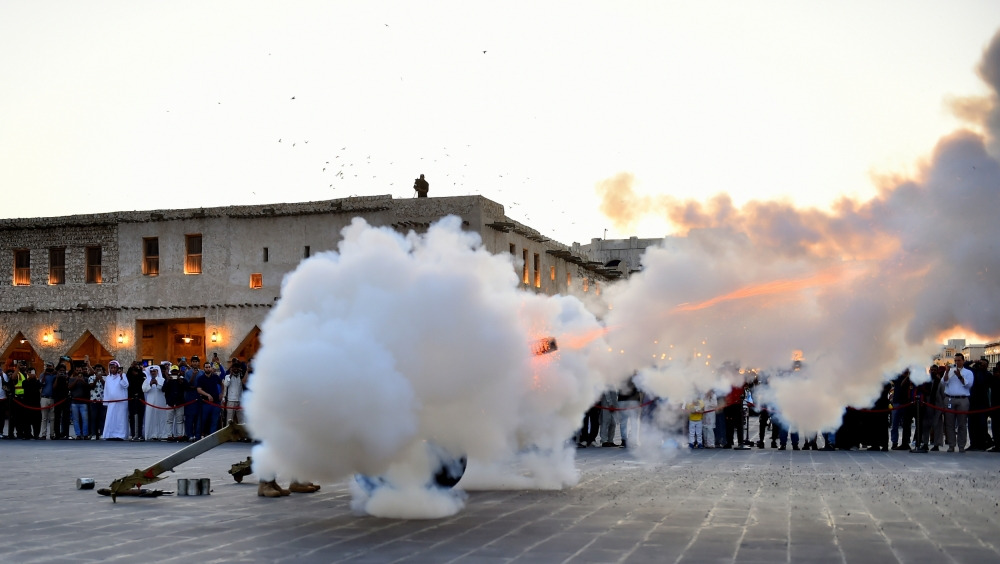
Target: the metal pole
(920, 447)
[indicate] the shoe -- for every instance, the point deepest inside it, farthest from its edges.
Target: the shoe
(935, 449)
(951, 449)
(303, 487)
(608, 444)
(795, 447)
(829, 447)
(701, 446)
(774, 444)
(994, 449)
(760, 444)
(624, 445)
(581, 445)
(782, 447)
(961, 449)
(691, 445)
(268, 489)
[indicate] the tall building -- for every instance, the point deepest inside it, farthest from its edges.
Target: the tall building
(155, 285)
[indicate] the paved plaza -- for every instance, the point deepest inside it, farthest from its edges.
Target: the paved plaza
(703, 506)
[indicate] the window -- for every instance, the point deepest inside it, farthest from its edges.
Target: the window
(586, 284)
(22, 267)
(538, 271)
(265, 254)
(57, 265)
(552, 273)
(192, 254)
(256, 281)
(524, 271)
(94, 265)
(305, 253)
(151, 256)
(513, 249)
(569, 281)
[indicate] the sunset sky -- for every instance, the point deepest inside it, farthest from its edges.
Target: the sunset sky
(139, 105)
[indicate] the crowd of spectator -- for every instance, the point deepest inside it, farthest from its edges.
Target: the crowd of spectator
(176, 402)
(957, 408)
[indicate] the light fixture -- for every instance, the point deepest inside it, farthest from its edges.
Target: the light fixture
(215, 336)
(187, 339)
(24, 341)
(121, 338)
(47, 338)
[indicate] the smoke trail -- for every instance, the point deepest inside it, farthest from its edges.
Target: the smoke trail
(394, 341)
(862, 290)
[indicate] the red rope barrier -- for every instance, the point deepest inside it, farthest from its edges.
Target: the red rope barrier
(601, 407)
(890, 410)
(40, 408)
(971, 412)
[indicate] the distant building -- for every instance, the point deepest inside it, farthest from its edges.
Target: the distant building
(156, 285)
(992, 352)
(621, 255)
(973, 352)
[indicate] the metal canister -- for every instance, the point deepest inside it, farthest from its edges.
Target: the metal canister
(205, 485)
(182, 486)
(193, 488)
(84, 483)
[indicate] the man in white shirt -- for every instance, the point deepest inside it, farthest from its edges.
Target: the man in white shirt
(957, 382)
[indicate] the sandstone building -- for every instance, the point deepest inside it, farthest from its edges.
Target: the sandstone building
(156, 285)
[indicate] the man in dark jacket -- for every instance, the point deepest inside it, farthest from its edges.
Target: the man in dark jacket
(60, 401)
(173, 390)
(32, 399)
(979, 398)
(136, 401)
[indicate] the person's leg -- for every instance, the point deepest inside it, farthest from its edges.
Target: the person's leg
(762, 420)
(896, 422)
(949, 428)
(47, 417)
(962, 404)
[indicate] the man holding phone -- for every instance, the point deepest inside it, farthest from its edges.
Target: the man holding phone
(957, 382)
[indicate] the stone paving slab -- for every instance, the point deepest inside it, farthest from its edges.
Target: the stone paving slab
(683, 506)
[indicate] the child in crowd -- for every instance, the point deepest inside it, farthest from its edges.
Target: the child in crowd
(696, 410)
(708, 418)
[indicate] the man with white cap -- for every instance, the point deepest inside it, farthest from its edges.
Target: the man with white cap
(116, 400)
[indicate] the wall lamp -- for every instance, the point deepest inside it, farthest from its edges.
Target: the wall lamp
(215, 336)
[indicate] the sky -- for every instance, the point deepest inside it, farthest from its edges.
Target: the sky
(141, 105)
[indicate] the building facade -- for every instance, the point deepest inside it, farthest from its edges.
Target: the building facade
(618, 257)
(155, 285)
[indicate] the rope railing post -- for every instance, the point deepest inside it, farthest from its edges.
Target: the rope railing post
(920, 446)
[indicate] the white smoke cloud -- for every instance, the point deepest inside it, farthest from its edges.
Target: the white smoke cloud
(394, 341)
(863, 291)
